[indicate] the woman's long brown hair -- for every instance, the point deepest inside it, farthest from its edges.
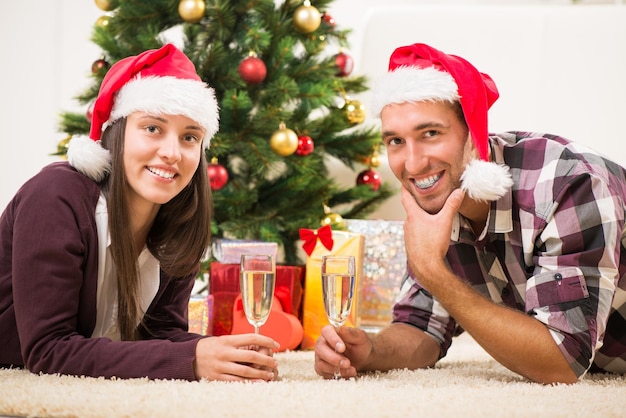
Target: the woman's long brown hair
(178, 238)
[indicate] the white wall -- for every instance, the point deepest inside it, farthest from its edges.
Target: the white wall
(46, 61)
(560, 69)
(47, 54)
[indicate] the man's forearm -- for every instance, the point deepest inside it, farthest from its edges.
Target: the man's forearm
(402, 346)
(517, 341)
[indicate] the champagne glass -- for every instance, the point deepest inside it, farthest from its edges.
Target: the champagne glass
(257, 279)
(338, 276)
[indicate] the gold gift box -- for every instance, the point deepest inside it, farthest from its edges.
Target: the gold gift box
(200, 314)
(313, 314)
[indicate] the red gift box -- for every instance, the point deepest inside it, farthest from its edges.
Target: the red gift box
(224, 286)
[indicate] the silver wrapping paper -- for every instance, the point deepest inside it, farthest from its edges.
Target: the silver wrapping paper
(384, 265)
(229, 251)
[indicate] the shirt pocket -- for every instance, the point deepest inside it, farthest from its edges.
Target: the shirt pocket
(555, 287)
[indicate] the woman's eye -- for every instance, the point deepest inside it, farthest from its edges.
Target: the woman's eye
(153, 129)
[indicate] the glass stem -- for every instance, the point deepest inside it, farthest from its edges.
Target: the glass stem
(337, 374)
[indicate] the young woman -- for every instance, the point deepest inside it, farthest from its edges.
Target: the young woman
(98, 255)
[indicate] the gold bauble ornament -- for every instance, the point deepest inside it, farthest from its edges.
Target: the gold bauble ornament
(284, 141)
(374, 160)
(334, 220)
(105, 5)
(318, 43)
(192, 11)
(103, 21)
(355, 111)
(62, 147)
(307, 18)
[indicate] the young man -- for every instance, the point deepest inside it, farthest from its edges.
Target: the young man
(516, 238)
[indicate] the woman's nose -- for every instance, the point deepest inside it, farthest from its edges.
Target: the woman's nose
(170, 148)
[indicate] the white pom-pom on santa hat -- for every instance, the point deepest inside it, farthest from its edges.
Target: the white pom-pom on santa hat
(486, 181)
(89, 158)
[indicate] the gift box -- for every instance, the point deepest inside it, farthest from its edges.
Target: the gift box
(289, 289)
(229, 251)
(200, 314)
(313, 313)
(384, 266)
(224, 287)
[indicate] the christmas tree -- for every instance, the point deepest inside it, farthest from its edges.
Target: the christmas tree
(284, 85)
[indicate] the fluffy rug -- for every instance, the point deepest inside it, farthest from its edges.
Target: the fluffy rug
(466, 383)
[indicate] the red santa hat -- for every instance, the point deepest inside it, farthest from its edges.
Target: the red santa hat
(419, 72)
(160, 82)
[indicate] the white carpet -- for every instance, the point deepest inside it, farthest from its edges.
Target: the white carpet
(466, 383)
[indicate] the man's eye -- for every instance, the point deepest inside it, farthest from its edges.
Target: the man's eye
(394, 141)
(431, 133)
(191, 138)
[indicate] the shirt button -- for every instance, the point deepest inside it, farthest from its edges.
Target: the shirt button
(505, 292)
(558, 276)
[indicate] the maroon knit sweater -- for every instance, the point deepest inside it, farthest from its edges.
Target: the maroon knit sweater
(48, 281)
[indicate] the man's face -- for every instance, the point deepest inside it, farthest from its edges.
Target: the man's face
(428, 148)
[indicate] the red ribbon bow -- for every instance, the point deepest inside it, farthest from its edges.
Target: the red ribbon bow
(309, 236)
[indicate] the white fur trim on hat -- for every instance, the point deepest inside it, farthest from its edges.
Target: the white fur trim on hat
(486, 181)
(89, 158)
(413, 84)
(169, 96)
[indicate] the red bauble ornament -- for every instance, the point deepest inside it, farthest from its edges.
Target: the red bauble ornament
(252, 70)
(89, 111)
(99, 65)
(369, 177)
(218, 175)
(305, 145)
(328, 20)
(344, 63)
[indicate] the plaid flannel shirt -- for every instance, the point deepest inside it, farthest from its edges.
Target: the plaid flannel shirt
(553, 247)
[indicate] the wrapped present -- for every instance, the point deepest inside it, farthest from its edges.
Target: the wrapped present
(289, 288)
(224, 287)
(229, 251)
(313, 313)
(384, 265)
(200, 314)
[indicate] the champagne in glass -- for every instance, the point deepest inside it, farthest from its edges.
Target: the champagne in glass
(257, 279)
(338, 277)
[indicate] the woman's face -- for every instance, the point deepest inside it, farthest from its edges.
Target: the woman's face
(161, 155)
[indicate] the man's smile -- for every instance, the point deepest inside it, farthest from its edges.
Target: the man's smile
(427, 182)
